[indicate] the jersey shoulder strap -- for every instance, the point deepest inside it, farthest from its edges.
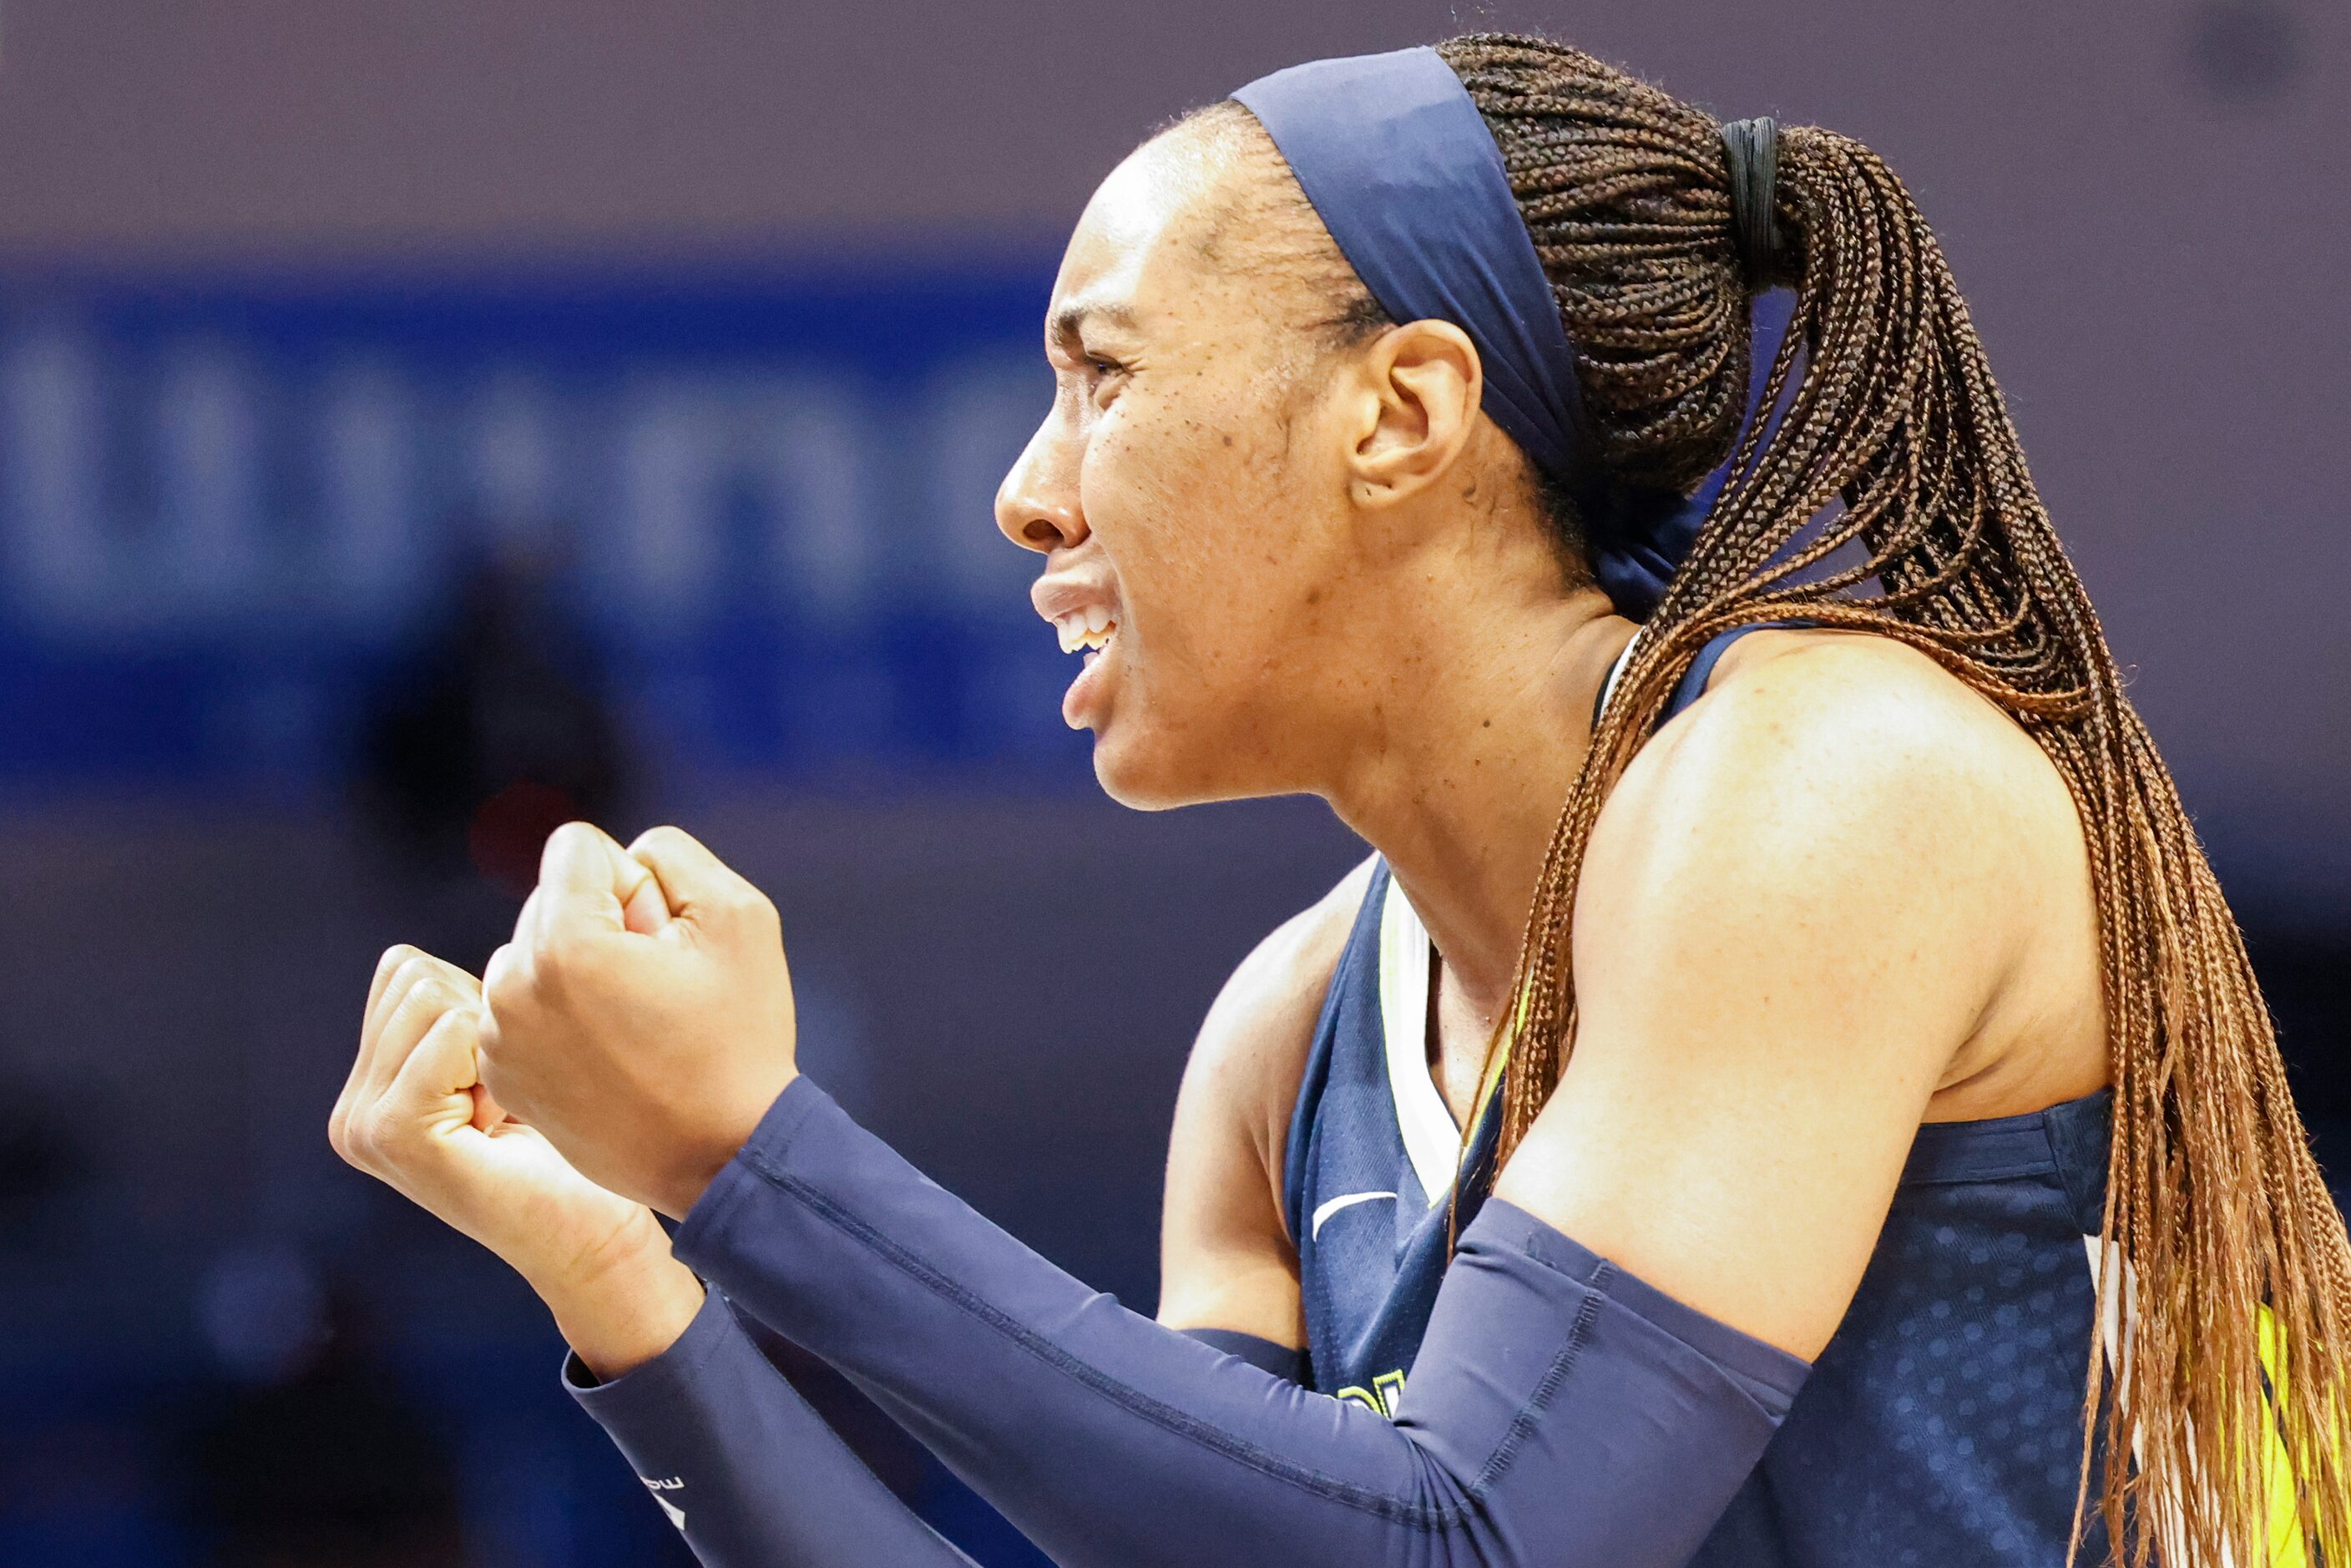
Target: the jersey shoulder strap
(1694, 679)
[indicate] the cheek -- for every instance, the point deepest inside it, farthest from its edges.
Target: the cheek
(1196, 518)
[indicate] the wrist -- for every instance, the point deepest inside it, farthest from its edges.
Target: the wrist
(683, 1186)
(625, 1313)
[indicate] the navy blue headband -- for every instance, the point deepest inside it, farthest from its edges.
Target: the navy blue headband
(1396, 158)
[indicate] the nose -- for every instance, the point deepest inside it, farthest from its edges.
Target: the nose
(1037, 506)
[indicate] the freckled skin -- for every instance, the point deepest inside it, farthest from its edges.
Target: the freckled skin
(1781, 969)
(1196, 446)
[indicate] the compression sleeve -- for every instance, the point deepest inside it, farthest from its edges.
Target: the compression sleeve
(743, 1466)
(1284, 1363)
(1560, 1412)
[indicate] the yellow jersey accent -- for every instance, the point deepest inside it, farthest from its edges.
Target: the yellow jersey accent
(1384, 1395)
(2287, 1546)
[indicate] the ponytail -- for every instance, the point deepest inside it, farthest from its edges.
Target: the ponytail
(1891, 495)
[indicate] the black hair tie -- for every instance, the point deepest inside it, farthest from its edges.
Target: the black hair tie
(1751, 149)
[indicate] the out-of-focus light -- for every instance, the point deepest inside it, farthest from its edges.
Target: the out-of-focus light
(2245, 51)
(264, 1312)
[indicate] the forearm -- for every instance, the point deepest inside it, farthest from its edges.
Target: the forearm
(1559, 1412)
(743, 1466)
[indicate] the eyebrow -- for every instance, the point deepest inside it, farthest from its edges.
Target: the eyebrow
(1069, 320)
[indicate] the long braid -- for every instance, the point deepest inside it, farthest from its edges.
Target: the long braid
(1892, 496)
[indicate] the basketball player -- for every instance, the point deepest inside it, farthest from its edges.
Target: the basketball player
(1847, 1134)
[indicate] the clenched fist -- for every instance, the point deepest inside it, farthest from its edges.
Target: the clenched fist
(642, 1017)
(415, 1113)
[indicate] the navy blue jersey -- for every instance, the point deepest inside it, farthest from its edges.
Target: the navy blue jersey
(1941, 1425)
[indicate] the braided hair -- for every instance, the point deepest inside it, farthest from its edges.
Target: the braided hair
(1892, 496)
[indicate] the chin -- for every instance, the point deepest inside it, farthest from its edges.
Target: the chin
(1157, 767)
(1137, 775)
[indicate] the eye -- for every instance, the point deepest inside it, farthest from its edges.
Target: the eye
(1105, 374)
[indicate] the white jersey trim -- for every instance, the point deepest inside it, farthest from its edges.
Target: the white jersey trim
(1431, 1138)
(1608, 686)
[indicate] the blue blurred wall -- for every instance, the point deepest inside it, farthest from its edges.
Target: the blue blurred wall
(228, 503)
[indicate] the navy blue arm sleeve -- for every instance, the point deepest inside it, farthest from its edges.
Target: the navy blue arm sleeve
(1560, 1411)
(752, 1475)
(1284, 1363)
(744, 1467)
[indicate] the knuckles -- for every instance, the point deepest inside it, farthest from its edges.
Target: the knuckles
(511, 982)
(395, 957)
(744, 902)
(367, 1134)
(552, 964)
(571, 838)
(366, 1137)
(421, 977)
(438, 995)
(409, 973)
(665, 838)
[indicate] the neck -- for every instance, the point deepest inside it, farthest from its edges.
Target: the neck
(1481, 718)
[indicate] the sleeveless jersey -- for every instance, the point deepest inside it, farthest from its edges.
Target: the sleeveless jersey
(1941, 1425)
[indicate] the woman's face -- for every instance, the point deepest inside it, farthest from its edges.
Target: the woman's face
(1188, 490)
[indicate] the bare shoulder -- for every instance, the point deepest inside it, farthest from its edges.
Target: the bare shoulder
(1789, 695)
(1823, 901)
(1841, 735)
(1226, 1257)
(1252, 1048)
(1844, 792)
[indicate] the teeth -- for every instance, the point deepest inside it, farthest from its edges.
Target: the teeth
(1089, 629)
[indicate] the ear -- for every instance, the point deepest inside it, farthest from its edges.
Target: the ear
(1421, 390)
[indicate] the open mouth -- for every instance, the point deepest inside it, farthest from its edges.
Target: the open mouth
(1087, 631)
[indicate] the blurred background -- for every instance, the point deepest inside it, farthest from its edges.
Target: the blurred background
(422, 424)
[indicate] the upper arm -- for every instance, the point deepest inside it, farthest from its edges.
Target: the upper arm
(1226, 1257)
(1792, 916)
